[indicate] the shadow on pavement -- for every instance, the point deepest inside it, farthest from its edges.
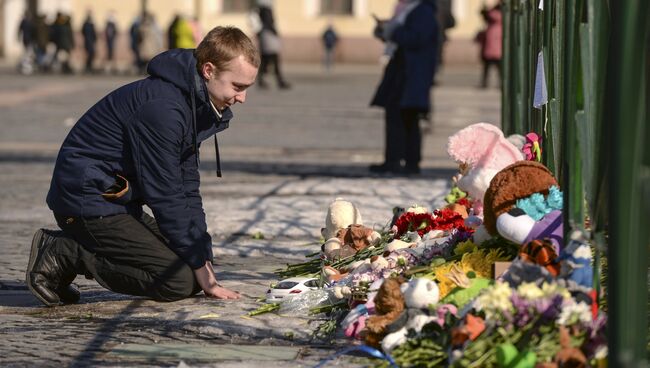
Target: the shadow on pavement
(302, 169)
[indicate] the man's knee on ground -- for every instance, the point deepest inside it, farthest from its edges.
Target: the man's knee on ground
(182, 284)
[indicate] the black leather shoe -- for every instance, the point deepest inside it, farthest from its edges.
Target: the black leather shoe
(45, 276)
(385, 168)
(69, 294)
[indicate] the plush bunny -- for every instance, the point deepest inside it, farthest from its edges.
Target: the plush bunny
(481, 150)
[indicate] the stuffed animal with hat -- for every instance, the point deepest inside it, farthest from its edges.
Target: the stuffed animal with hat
(481, 150)
(523, 203)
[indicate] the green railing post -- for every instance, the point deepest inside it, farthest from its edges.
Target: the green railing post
(625, 117)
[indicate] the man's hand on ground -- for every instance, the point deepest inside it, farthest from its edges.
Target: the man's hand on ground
(208, 282)
(220, 292)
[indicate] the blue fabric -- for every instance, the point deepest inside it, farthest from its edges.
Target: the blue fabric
(144, 131)
(540, 97)
(362, 348)
(537, 206)
(408, 77)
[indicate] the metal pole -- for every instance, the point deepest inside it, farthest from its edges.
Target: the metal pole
(625, 116)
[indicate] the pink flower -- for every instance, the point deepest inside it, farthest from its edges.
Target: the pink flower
(532, 148)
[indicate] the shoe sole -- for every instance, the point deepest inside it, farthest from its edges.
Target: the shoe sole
(32, 259)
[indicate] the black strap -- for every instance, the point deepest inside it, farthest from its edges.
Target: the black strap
(217, 156)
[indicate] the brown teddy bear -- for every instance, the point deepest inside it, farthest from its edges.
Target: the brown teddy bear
(516, 181)
(389, 304)
(350, 240)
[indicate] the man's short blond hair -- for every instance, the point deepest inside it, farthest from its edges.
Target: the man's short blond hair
(223, 44)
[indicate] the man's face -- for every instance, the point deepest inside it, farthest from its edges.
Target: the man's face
(229, 87)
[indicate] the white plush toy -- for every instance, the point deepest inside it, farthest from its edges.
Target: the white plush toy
(419, 294)
(340, 214)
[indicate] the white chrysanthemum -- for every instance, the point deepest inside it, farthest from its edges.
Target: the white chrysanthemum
(495, 300)
(550, 289)
(529, 291)
(417, 209)
(575, 313)
(601, 352)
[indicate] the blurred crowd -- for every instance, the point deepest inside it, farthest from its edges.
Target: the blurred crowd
(48, 45)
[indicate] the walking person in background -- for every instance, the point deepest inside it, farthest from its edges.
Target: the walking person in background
(110, 34)
(41, 40)
(171, 37)
(26, 30)
(269, 42)
(90, 41)
(446, 21)
(151, 40)
(404, 91)
(63, 39)
(137, 146)
(330, 39)
(490, 41)
(135, 40)
(197, 30)
(183, 34)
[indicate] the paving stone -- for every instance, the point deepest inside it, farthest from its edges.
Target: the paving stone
(286, 156)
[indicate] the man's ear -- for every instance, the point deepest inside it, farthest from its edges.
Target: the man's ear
(207, 70)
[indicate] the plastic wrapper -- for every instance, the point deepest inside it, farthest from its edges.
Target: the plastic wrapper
(301, 303)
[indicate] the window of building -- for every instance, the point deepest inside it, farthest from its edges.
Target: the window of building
(237, 6)
(336, 7)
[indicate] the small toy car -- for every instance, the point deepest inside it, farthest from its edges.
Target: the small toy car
(289, 287)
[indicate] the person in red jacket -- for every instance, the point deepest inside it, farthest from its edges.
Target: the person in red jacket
(490, 41)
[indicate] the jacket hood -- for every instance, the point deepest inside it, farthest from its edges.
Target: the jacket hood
(178, 66)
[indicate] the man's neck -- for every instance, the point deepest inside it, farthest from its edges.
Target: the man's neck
(219, 114)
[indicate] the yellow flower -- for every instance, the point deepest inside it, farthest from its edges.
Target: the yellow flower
(465, 247)
(478, 261)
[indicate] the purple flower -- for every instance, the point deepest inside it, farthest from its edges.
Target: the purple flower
(548, 308)
(523, 311)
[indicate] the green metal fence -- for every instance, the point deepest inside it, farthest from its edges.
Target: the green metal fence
(596, 135)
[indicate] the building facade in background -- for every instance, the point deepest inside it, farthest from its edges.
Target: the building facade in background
(299, 22)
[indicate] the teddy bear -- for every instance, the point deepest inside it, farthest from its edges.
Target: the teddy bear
(349, 241)
(340, 214)
(481, 150)
(389, 304)
(344, 232)
(523, 203)
(419, 294)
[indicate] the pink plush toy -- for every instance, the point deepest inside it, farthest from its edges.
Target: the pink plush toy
(481, 150)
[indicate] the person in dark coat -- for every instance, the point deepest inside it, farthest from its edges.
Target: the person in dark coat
(269, 44)
(138, 146)
(41, 39)
(26, 30)
(404, 91)
(110, 34)
(61, 35)
(135, 40)
(330, 39)
(90, 40)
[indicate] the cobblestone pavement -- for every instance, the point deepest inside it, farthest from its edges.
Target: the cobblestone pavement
(286, 156)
